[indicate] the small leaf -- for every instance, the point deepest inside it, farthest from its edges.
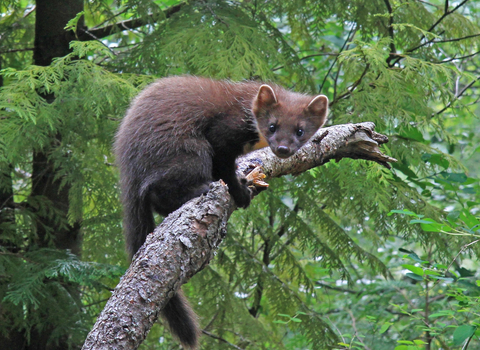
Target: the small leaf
(415, 269)
(403, 211)
(414, 276)
(454, 177)
(385, 327)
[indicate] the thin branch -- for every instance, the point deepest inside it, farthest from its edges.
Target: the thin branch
(309, 56)
(356, 331)
(100, 33)
(393, 50)
(352, 31)
(454, 39)
(428, 3)
(211, 335)
(353, 87)
(338, 289)
(458, 58)
(17, 50)
(109, 19)
(449, 104)
(214, 14)
(445, 14)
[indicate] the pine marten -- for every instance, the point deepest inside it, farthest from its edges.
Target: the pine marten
(182, 133)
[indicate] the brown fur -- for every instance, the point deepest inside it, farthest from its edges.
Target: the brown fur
(182, 133)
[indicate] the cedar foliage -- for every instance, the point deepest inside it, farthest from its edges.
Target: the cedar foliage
(409, 66)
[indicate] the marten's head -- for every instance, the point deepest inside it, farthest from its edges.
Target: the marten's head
(286, 119)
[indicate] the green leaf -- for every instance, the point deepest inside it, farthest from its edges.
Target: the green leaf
(437, 159)
(454, 177)
(404, 211)
(462, 333)
(468, 218)
(385, 327)
(415, 269)
(430, 225)
(414, 276)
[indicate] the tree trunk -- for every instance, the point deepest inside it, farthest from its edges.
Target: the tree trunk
(7, 213)
(51, 41)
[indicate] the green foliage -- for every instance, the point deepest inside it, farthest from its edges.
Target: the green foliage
(45, 287)
(349, 255)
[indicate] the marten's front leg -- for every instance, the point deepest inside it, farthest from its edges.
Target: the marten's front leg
(225, 169)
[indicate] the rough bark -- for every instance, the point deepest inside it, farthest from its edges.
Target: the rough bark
(188, 238)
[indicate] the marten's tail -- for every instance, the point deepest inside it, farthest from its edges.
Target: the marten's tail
(138, 219)
(182, 321)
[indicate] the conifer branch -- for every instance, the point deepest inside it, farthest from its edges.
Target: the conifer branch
(186, 241)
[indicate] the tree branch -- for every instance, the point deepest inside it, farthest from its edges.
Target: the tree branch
(456, 97)
(187, 239)
(393, 50)
(100, 33)
(445, 14)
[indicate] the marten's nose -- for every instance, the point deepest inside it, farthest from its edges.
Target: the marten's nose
(283, 151)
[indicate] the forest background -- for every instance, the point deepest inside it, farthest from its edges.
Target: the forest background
(349, 255)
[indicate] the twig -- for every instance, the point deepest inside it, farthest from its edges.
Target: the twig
(336, 58)
(214, 14)
(457, 58)
(449, 104)
(309, 56)
(351, 88)
(100, 33)
(454, 39)
(445, 14)
(221, 339)
(109, 19)
(17, 50)
(356, 331)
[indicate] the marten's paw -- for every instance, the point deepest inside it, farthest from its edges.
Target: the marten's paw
(242, 195)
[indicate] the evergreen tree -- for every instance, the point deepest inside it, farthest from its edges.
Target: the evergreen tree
(70, 69)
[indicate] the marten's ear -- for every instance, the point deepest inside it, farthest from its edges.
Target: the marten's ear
(318, 106)
(264, 99)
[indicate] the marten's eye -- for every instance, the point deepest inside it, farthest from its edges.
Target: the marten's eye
(272, 128)
(300, 132)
